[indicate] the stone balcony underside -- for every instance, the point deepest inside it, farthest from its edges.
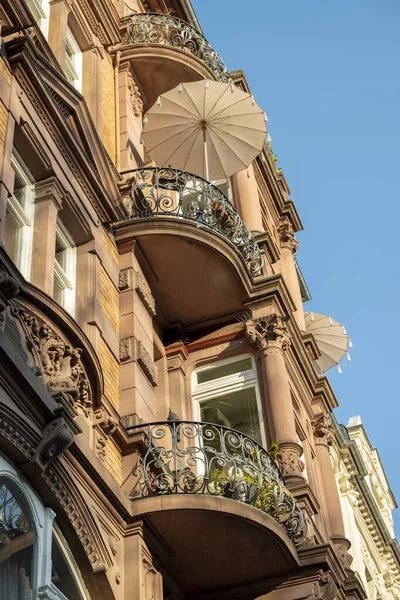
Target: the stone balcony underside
(164, 192)
(202, 485)
(166, 30)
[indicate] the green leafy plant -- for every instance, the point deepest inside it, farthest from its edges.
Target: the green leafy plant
(274, 450)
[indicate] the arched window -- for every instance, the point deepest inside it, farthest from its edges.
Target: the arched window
(35, 560)
(17, 539)
(226, 393)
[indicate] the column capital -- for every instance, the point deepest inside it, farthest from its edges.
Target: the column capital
(49, 189)
(322, 429)
(286, 235)
(269, 332)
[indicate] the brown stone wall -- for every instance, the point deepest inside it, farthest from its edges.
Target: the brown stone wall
(110, 368)
(108, 106)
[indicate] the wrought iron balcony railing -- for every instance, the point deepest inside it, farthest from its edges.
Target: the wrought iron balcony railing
(157, 191)
(186, 457)
(153, 28)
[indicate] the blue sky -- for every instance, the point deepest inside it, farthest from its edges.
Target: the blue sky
(327, 75)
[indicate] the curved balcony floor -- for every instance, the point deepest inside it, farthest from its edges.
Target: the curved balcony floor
(217, 543)
(166, 51)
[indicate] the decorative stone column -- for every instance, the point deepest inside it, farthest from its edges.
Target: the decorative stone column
(289, 248)
(247, 202)
(177, 356)
(48, 198)
(273, 338)
(323, 439)
(58, 30)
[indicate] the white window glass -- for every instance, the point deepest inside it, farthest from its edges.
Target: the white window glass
(18, 233)
(40, 12)
(73, 62)
(226, 393)
(64, 269)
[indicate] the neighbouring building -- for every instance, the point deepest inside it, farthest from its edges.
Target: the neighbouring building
(163, 431)
(367, 504)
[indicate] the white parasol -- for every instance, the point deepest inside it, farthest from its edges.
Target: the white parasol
(208, 128)
(332, 340)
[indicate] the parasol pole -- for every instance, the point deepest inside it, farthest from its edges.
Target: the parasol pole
(205, 155)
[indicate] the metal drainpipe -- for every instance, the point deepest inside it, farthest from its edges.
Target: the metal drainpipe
(116, 95)
(191, 16)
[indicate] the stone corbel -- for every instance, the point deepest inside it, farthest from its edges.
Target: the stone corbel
(56, 438)
(286, 235)
(9, 289)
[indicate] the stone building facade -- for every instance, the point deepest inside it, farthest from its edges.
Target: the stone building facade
(163, 431)
(367, 504)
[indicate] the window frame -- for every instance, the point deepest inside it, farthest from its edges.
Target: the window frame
(66, 277)
(235, 382)
(73, 64)
(40, 10)
(23, 214)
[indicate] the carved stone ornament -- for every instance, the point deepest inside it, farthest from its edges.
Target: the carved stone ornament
(135, 97)
(106, 422)
(322, 429)
(60, 364)
(290, 463)
(9, 289)
(123, 282)
(286, 235)
(269, 332)
(342, 546)
(143, 291)
(125, 350)
(147, 363)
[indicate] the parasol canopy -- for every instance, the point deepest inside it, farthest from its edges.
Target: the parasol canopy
(331, 338)
(208, 128)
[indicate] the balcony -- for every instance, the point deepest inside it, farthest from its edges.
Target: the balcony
(204, 486)
(202, 248)
(176, 51)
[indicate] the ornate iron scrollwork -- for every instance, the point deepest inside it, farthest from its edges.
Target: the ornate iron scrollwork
(186, 457)
(154, 28)
(13, 521)
(169, 192)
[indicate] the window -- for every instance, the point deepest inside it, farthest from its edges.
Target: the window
(40, 12)
(226, 393)
(64, 269)
(35, 560)
(73, 61)
(17, 541)
(18, 234)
